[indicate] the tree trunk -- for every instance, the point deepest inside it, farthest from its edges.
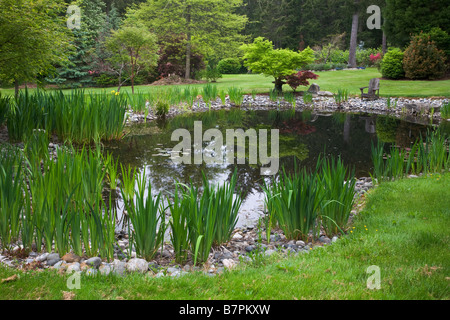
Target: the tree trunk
(132, 75)
(188, 44)
(384, 43)
(16, 88)
(279, 85)
(353, 41)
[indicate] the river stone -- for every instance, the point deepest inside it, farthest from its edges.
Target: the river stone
(139, 265)
(269, 252)
(325, 240)
(314, 88)
(119, 267)
(74, 267)
(334, 239)
(71, 258)
(53, 256)
(300, 243)
(229, 264)
(94, 262)
(105, 269)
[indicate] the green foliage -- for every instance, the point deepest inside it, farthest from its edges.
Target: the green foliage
(75, 116)
(341, 96)
(134, 48)
(33, 39)
(211, 74)
(426, 155)
(339, 192)
(201, 220)
(261, 57)
(212, 26)
(236, 96)
(63, 205)
(423, 60)
(445, 111)
(230, 66)
(392, 64)
(294, 203)
(162, 108)
(147, 218)
(403, 18)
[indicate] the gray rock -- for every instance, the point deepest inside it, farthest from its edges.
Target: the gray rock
(334, 239)
(28, 261)
(325, 240)
(58, 264)
(52, 262)
(42, 257)
(159, 274)
(53, 256)
(105, 269)
(139, 265)
(270, 252)
(300, 243)
(74, 267)
(314, 88)
(119, 267)
(249, 248)
(94, 262)
(172, 270)
(2, 257)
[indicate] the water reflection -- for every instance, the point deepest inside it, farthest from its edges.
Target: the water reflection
(303, 136)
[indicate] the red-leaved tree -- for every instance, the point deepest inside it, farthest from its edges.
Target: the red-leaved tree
(300, 79)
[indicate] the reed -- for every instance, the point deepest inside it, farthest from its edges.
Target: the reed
(236, 96)
(147, 218)
(290, 98)
(338, 186)
(294, 202)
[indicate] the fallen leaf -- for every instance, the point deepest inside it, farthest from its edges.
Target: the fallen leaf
(12, 278)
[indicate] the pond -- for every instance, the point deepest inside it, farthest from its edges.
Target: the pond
(303, 136)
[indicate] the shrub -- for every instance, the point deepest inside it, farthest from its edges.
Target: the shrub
(229, 66)
(392, 64)
(162, 108)
(423, 60)
(300, 79)
(211, 74)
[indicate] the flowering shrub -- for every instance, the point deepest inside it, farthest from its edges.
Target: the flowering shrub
(300, 79)
(423, 60)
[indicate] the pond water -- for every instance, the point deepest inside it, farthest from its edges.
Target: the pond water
(303, 137)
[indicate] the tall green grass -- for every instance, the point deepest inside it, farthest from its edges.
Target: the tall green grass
(236, 96)
(426, 155)
(203, 219)
(293, 203)
(338, 186)
(77, 116)
(147, 218)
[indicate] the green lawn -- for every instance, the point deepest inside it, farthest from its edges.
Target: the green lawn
(328, 81)
(403, 230)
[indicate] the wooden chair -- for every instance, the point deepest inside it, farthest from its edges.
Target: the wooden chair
(373, 91)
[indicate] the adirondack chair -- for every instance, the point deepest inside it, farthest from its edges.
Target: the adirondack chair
(373, 91)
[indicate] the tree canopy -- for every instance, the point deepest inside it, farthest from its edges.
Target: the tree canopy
(261, 57)
(33, 38)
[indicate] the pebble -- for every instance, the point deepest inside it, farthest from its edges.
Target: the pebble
(137, 265)
(94, 262)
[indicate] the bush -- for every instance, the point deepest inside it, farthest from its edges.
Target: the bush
(229, 66)
(106, 80)
(300, 79)
(392, 64)
(423, 60)
(211, 74)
